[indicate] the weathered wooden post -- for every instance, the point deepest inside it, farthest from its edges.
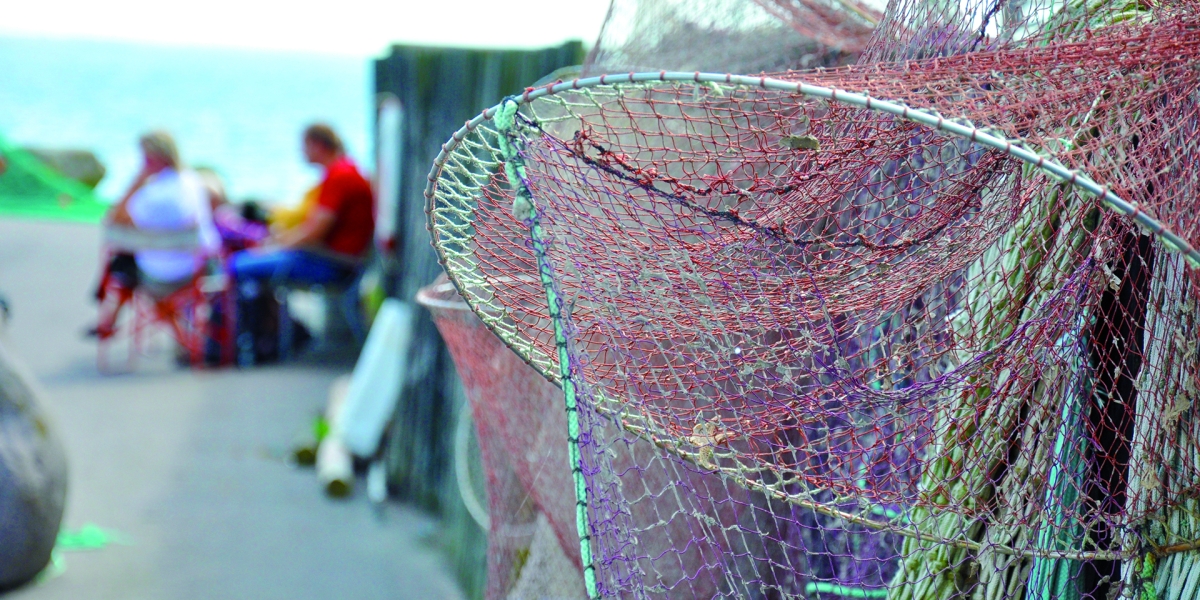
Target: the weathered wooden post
(437, 90)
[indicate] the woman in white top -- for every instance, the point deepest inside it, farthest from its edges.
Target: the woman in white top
(165, 198)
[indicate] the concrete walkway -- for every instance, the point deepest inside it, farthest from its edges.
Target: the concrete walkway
(189, 466)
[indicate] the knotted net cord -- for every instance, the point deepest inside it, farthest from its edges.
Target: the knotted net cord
(824, 350)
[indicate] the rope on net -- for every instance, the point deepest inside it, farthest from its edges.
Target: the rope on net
(524, 210)
(901, 322)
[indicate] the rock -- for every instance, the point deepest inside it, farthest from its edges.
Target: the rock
(80, 165)
(33, 478)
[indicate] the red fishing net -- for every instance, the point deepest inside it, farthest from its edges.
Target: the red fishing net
(822, 351)
(729, 36)
(519, 423)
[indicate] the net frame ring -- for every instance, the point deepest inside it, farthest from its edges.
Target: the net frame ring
(934, 121)
(994, 142)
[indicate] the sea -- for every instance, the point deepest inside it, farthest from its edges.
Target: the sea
(240, 112)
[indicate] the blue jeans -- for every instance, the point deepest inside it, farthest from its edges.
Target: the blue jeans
(258, 316)
(280, 266)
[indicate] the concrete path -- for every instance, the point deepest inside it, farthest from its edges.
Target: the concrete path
(189, 466)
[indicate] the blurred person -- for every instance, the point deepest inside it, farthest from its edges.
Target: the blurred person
(327, 247)
(214, 187)
(164, 198)
(283, 218)
(237, 226)
(331, 242)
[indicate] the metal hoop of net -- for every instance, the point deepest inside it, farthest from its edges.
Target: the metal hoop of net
(814, 343)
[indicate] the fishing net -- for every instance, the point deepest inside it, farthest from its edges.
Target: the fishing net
(30, 189)
(519, 425)
(924, 327)
(730, 36)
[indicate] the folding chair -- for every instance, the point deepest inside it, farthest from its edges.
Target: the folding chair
(184, 308)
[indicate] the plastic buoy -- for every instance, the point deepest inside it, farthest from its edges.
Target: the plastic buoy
(375, 384)
(335, 467)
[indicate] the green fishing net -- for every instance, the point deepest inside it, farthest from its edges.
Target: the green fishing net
(30, 189)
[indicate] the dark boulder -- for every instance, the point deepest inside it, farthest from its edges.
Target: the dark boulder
(33, 478)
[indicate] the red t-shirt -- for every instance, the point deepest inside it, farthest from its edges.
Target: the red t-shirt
(348, 195)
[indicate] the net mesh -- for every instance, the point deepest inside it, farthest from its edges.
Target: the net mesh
(30, 189)
(820, 351)
(533, 549)
(730, 36)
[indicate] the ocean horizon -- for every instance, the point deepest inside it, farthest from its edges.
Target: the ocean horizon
(240, 112)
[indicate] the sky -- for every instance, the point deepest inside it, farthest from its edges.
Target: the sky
(345, 27)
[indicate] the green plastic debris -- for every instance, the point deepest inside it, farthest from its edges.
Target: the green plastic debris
(57, 566)
(320, 428)
(89, 537)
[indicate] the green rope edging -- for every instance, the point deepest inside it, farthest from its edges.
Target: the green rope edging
(1149, 566)
(821, 587)
(525, 211)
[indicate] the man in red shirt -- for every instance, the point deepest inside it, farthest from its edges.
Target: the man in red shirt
(343, 222)
(328, 247)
